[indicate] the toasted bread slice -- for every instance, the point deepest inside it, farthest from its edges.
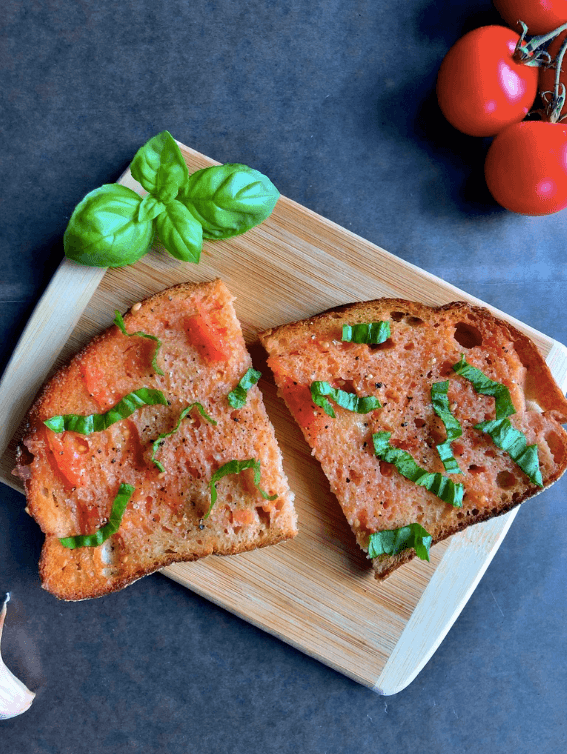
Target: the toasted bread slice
(71, 479)
(424, 344)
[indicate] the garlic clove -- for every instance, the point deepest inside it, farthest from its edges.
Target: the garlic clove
(15, 697)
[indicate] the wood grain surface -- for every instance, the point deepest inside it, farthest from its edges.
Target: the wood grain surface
(316, 592)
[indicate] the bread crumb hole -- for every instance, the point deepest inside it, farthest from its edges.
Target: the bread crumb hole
(419, 422)
(474, 469)
(264, 516)
(409, 346)
(505, 480)
(414, 321)
(467, 336)
(397, 316)
(555, 445)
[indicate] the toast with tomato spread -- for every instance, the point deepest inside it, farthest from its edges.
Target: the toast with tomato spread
(139, 453)
(449, 418)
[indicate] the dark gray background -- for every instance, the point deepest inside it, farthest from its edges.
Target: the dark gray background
(335, 102)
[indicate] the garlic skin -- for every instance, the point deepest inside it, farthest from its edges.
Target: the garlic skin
(15, 697)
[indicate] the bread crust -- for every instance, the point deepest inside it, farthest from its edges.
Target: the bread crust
(70, 480)
(425, 342)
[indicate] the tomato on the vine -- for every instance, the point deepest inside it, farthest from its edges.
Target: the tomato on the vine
(526, 168)
(540, 16)
(481, 88)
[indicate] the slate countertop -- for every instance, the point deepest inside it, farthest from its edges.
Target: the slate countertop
(335, 102)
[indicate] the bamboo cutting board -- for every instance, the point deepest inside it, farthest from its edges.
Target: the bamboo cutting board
(316, 592)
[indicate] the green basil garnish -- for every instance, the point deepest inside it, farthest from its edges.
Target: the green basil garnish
(228, 200)
(235, 467)
(484, 385)
(119, 505)
(394, 541)
(370, 333)
(440, 402)
(504, 435)
(105, 229)
(440, 485)
(237, 397)
(160, 439)
(119, 322)
(513, 441)
(320, 390)
(86, 425)
(160, 168)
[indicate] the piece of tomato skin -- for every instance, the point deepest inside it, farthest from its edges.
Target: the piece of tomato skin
(203, 333)
(526, 168)
(481, 89)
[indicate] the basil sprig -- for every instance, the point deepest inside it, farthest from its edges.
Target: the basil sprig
(513, 441)
(453, 428)
(504, 435)
(237, 397)
(236, 467)
(436, 483)
(370, 333)
(228, 200)
(119, 506)
(394, 541)
(86, 425)
(119, 322)
(158, 442)
(484, 385)
(350, 401)
(113, 226)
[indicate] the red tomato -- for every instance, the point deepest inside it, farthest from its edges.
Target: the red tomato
(547, 75)
(526, 168)
(540, 16)
(208, 336)
(481, 89)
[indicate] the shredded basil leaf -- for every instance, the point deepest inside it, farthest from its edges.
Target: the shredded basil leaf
(370, 333)
(237, 397)
(440, 485)
(484, 385)
(513, 441)
(350, 401)
(440, 402)
(86, 425)
(157, 443)
(119, 322)
(235, 467)
(394, 541)
(119, 505)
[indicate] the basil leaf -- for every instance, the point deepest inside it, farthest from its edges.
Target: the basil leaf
(350, 401)
(371, 333)
(440, 402)
(104, 229)
(235, 467)
(86, 425)
(229, 199)
(513, 441)
(484, 385)
(436, 483)
(150, 208)
(180, 233)
(394, 541)
(119, 322)
(119, 505)
(237, 397)
(160, 439)
(160, 168)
